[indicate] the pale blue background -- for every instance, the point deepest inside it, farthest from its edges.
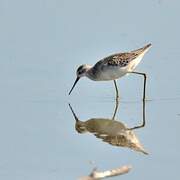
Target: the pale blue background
(42, 42)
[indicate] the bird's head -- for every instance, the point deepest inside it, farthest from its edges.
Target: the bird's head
(81, 72)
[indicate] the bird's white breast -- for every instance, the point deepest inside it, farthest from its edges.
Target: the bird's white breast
(111, 73)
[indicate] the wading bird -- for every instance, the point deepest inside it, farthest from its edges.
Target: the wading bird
(113, 67)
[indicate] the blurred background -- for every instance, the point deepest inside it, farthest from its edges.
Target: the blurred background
(42, 42)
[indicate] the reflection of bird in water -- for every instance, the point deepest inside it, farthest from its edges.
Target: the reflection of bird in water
(113, 67)
(110, 131)
(95, 175)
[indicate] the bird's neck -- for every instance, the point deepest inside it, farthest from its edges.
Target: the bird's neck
(90, 74)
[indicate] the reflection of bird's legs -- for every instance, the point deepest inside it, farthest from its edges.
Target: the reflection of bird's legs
(117, 101)
(144, 118)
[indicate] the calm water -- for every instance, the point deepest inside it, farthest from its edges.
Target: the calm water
(42, 43)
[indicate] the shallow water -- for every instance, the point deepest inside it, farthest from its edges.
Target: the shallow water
(42, 44)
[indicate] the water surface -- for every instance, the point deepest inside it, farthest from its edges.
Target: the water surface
(42, 44)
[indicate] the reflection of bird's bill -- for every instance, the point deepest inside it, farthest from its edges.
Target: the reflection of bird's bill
(76, 118)
(77, 79)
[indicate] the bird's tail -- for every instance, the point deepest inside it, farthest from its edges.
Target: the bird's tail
(142, 50)
(147, 46)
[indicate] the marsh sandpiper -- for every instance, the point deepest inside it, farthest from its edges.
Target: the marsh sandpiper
(113, 67)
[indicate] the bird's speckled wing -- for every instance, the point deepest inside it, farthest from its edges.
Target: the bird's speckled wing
(121, 59)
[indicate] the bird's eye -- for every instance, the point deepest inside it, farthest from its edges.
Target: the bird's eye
(81, 71)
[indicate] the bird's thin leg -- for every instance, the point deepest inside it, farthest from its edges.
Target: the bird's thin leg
(117, 92)
(115, 109)
(144, 118)
(117, 100)
(144, 89)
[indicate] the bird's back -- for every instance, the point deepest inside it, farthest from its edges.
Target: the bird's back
(117, 65)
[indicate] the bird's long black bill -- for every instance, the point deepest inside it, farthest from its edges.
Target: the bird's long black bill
(77, 79)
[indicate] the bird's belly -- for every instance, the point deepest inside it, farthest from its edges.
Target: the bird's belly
(111, 74)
